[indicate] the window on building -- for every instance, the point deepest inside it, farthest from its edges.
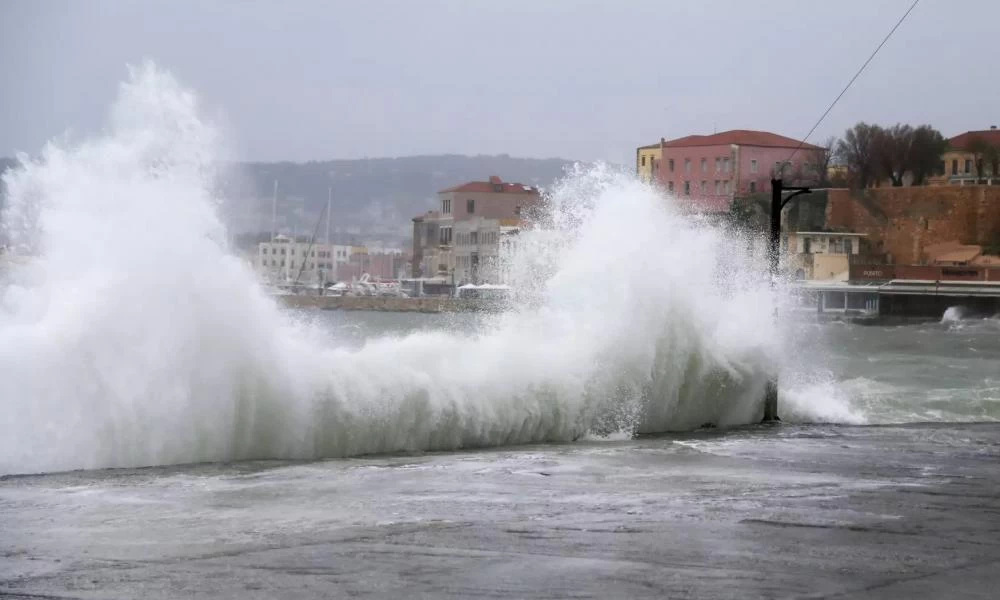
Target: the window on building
(282, 262)
(670, 165)
(725, 165)
(517, 210)
(718, 187)
(670, 187)
(642, 161)
(446, 206)
(274, 263)
(725, 187)
(954, 167)
(445, 235)
(807, 246)
(687, 165)
(704, 165)
(704, 188)
(718, 165)
(848, 246)
(753, 187)
(836, 246)
(470, 206)
(293, 251)
(968, 166)
(474, 238)
(282, 251)
(687, 188)
(753, 165)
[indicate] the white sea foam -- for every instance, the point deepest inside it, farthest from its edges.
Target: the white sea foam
(134, 338)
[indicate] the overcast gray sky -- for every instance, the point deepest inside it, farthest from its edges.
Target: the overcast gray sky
(302, 80)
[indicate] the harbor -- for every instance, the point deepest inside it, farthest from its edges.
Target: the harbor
(468, 301)
(898, 300)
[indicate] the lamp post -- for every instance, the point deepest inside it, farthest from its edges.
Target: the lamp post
(778, 202)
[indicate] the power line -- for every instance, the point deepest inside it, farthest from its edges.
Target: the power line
(853, 79)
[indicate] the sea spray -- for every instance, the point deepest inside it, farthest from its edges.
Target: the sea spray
(134, 338)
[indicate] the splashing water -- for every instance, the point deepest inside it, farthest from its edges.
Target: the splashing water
(134, 338)
(953, 314)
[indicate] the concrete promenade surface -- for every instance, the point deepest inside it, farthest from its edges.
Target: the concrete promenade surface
(783, 512)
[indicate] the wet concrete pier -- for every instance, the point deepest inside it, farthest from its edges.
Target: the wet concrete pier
(786, 512)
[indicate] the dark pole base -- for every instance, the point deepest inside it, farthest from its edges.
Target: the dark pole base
(771, 402)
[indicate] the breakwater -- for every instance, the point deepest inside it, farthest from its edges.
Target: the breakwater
(389, 303)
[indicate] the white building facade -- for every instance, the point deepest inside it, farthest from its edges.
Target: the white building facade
(482, 248)
(284, 260)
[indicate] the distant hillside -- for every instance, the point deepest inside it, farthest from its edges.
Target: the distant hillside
(372, 198)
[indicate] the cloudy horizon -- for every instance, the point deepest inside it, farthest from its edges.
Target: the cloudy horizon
(586, 81)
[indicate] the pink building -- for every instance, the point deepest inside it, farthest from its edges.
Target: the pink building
(708, 171)
(378, 265)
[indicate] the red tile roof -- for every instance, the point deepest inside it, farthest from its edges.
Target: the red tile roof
(961, 141)
(490, 186)
(741, 137)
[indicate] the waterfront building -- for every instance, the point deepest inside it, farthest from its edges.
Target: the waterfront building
(966, 164)
(461, 241)
(646, 159)
(482, 249)
(820, 255)
(430, 246)
(705, 172)
(378, 263)
(284, 260)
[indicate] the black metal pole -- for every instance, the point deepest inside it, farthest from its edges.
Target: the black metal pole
(774, 240)
(773, 254)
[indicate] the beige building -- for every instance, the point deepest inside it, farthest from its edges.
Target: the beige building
(478, 249)
(646, 158)
(431, 247)
(966, 163)
(481, 212)
(820, 255)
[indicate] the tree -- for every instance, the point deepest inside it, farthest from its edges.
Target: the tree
(859, 151)
(893, 147)
(984, 153)
(925, 153)
(820, 160)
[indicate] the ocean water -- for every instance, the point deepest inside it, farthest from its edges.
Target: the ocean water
(834, 373)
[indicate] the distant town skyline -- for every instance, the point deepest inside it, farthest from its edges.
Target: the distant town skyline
(578, 80)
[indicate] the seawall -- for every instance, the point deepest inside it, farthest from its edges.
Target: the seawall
(388, 303)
